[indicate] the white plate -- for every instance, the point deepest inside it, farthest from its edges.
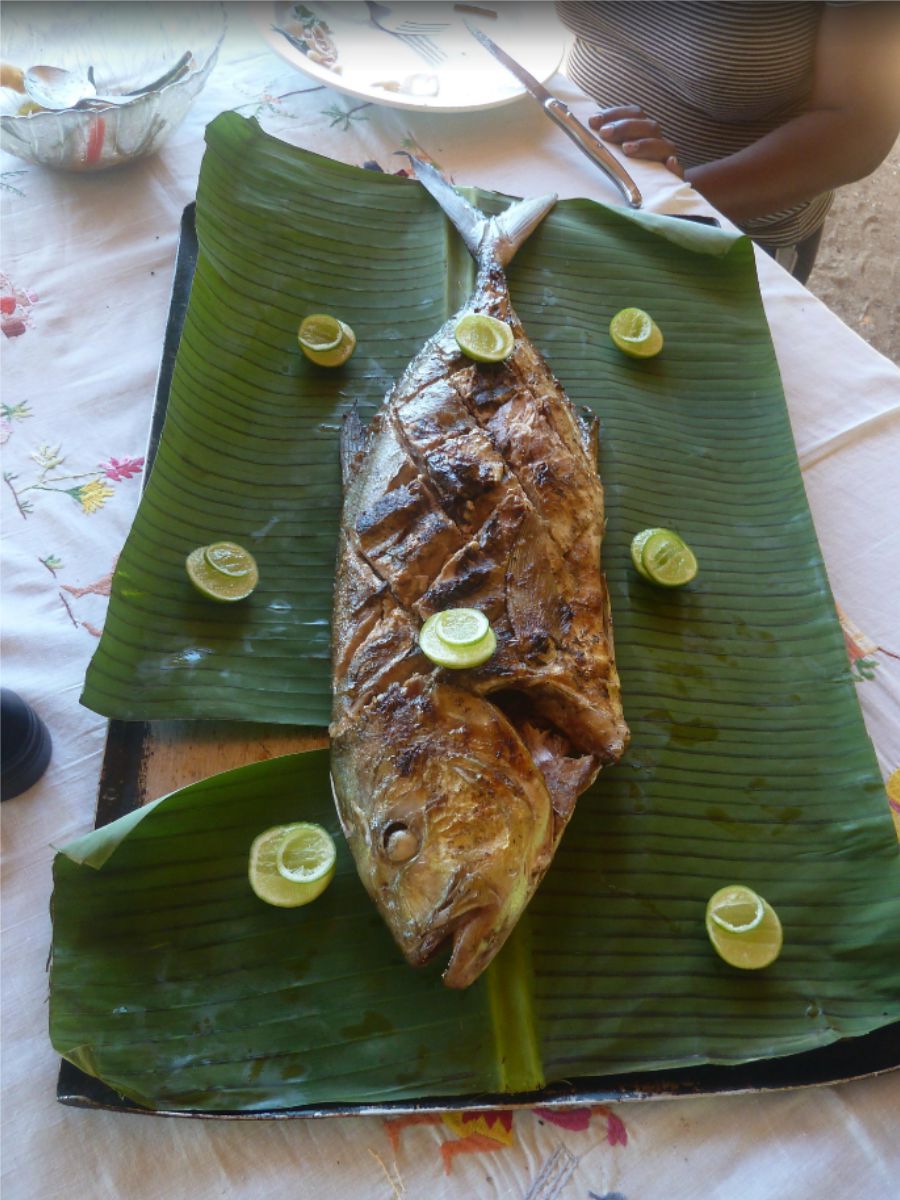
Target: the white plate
(346, 51)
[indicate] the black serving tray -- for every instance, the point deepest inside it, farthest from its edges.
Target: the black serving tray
(124, 786)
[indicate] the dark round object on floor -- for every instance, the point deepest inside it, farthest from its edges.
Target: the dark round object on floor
(25, 745)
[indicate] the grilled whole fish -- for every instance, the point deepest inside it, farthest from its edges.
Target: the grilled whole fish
(474, 486)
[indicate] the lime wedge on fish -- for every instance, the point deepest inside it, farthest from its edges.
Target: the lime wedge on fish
(325, 340)
(292, 864)
(223, 571)
(636, 333)
(452, 638)
(665, 558)
(743, 927)
(461, 626)
(484, 338)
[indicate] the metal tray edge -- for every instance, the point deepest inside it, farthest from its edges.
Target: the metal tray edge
(840, 1061)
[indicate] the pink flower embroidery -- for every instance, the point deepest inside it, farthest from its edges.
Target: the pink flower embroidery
(14, 305)
(576, 1119)
(118, 470)
(616, 1133)
(13, 328)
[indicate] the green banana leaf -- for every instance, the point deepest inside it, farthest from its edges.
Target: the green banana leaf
(176, 986)
(249, 447)
(173, 984)
(749, 759)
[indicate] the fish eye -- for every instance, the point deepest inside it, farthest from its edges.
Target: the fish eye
(400, 843)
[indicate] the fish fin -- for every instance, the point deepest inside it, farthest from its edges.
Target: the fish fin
(501, 235)
(353, 444)
(589, 428)
(566, 774)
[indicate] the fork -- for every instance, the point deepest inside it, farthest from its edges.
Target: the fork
(414, 34)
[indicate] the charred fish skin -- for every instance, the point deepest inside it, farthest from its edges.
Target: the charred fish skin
(475, 485)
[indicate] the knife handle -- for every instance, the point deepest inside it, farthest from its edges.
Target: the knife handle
(560, 112)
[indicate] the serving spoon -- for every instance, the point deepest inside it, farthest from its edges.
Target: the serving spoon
(55, 88)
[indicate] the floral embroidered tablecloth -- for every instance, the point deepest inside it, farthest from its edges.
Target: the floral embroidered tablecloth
(84, 291)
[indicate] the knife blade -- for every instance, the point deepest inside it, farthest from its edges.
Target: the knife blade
(557, 110)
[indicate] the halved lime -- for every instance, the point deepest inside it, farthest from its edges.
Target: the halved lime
(320, 332)
(667, 559)
(292, 864)
(325, 340)
(436, 638)
(484, 338)
(636, 333)
(214, 582)
(736, 909)
(638, 542)
(230, 559)
(743, 927)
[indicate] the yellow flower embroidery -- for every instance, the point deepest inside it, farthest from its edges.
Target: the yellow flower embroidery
(93, 495)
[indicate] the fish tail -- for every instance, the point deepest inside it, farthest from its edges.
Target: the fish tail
(500, 236)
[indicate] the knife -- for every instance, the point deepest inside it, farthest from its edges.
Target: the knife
(558, 111)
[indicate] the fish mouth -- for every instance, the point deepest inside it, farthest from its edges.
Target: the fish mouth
(469, 920)
(476, 939)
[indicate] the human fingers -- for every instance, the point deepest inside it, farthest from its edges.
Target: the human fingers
(639, 135)
(630, 129)
(616, 113)
(656, 149)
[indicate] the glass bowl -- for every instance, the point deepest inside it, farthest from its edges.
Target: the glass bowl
(128, 46)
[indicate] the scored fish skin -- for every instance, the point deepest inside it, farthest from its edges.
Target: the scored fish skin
(474, 486)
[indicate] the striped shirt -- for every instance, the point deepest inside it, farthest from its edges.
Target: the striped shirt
(717, 77)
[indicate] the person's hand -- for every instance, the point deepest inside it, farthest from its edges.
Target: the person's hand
(639, 136)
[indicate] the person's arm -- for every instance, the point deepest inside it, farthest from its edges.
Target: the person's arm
(851, 121)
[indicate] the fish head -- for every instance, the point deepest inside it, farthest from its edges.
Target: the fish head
(456, 828)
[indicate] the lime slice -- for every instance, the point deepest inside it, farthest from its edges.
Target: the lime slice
(667, 560)
(291, 865)
(305, 854)
(217, 584)
(636, 333)
(320, 332)
(458, 655)
(230, 559)
(336, 343)
(638, 542)
(461, 626)
(484, 338)
(743, 927)
(736, 909)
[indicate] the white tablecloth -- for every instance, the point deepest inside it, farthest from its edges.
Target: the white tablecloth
(86, 272)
